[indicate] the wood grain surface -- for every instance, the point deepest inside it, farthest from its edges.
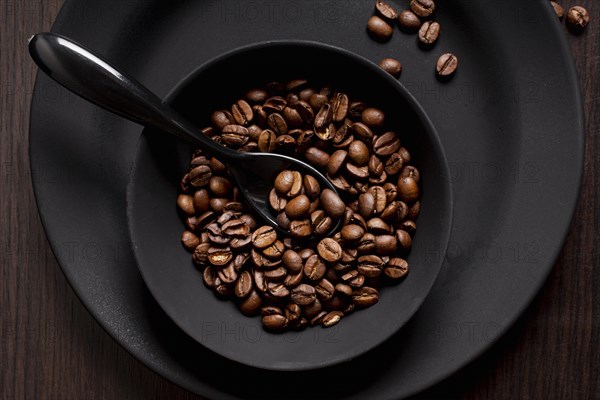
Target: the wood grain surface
(51, 348)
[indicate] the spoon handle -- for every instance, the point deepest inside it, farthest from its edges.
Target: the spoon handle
(89, 76)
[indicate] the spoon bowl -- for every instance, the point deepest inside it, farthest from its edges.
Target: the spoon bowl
(93, 78)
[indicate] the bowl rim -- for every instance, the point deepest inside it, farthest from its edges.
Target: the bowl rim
(423, 118)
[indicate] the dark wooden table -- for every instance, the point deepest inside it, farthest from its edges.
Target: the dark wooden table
(51, 348)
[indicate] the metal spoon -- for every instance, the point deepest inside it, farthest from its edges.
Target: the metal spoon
(89, 76)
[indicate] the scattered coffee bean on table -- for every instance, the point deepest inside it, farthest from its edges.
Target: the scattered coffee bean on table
(578, 19)
(429, 33)
(386, 11)
(446, 65)
(379, 29)
(307, 279)
(409, 22)
(392, 66)
(422, 8)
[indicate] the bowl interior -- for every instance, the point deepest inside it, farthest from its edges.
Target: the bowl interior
(155, 226)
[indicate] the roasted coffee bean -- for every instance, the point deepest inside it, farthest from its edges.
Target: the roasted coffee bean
(267, 141)
(283, 220)
(394, 164)
(306, 253)
(277, 289)
(217, 167)
(352, 232)
(358, 173)
(292, 117)
(200, 176)
(359, 152)
(391, 192)
(446, 65)
(242, 112)
(186, 204)
(370, 266)
(317, 101)
(321, 222)
(356, 108)
(391, 66)
(365, 297)
(285, 143)
(404, 153)
(240, 243)
(362, 131)
(380, 197)
(560, 12)
(373, 117)
(276, 275)
(274, 251)
(386, 144)
(408, 190)
(409, 226)
(219, 256)
(329, 250)
(317, 157)
(259, 280)
(344, 289)
(291, 281)
(376, 167)
(220, 119)
(293, 312)
(224, 291)
(209, 276)
(219, 186)
(189, 240)
(312, 187)
(411, 171)
(305, 94)
(270, 310)
(366, 204)
(292, 261)
(422, 8)
(298, 207)
(218, 204)
(386, 245)
(264, 236)
(366, 243)
(318, 319)
(325, 290)
(236, 228)
(277, 124)
(409, 21)
(378, 227)
(284, 182)
(332, 318)
(314, 268)
(386, 11)
(274, 104)
(228, 274)
(578, 19)
(323, 117)
(206, 218)
(379, 29)
(296, 187)
(340, 183)
(257, 95)
(274, 323)
(250, 305)
(404, 239)
(396, 211)
(340, 107)
(429, 33)
(336, 161)
(276, 201)
(300, 228)
(240, 260)
(332, 204)
(200, 256)
(303, 295)
(235, 135)
(357, 281)
(397, 268)
(305, 111)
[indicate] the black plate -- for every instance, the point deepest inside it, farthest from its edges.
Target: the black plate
(510, 122)
(156, 227)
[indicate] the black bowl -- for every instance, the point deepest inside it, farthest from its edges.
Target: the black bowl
(155, 226)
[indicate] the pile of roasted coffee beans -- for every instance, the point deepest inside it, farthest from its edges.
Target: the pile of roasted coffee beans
(307, 278)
